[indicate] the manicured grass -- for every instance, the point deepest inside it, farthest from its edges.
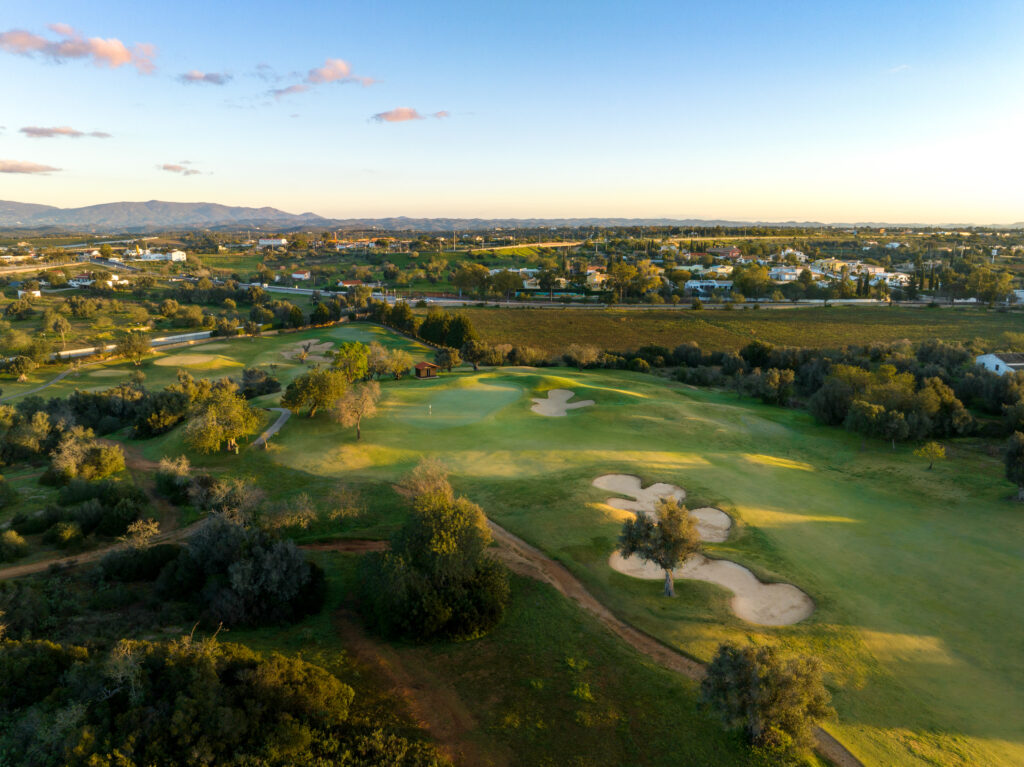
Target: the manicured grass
(552, 330)
(916, 575)
(549, 686)
(227, 357)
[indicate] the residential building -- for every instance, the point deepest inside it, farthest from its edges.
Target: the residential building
(302, 274)
(271, 242)
(1001, 363)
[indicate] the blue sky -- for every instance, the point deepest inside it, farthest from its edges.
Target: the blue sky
(906, 111)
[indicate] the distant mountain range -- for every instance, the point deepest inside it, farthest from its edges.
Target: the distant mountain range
(155, 215)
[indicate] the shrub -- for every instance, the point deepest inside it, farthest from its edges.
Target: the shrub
(436, 581)
(639, 365)
(131, 564)
(12, 546)
(64, 535)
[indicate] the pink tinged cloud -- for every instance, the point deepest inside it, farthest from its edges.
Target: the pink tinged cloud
(279, 92)
(175, 168)
(208, 78)
(405, 114)
(102, 52)
(33, 131)
(332, 71)
(16, 166)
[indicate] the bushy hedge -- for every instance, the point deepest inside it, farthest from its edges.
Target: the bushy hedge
(184, 703)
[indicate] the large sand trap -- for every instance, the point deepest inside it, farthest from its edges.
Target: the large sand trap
(108, 373)
(314, 353)
(766, 604)
(557, 403)
(712, 524)
(178, 360)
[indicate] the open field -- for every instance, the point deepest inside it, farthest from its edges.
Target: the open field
(915, 575)
(554, 329)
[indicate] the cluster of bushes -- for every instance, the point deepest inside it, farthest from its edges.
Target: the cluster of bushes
(104, 508)
(243, 575)
(189, 702)
(436, 581)
(31, 432)
(898, 391)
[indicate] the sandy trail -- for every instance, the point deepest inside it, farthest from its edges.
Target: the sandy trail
(557, 403)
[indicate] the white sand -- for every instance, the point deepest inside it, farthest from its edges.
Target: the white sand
(557, 403)
(177, 360)
(315, 352)
(766, 604)
(108, 373)
(712, 524)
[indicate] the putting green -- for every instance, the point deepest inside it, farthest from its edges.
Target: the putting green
(197, 361)
(447, 403)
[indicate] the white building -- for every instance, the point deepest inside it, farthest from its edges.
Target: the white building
(707, 286)
(148, 255)
(280, 242)
(785, 273)
(29, 294)
(301, 275)
(1001, 363)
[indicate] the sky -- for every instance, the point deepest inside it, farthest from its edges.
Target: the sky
(747, 110)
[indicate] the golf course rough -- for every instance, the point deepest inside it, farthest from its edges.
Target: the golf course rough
(557, 403)
(766, 604)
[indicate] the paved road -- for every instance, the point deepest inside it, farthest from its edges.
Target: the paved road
(51, 382)
(285, 414)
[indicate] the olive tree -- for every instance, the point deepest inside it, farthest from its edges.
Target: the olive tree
(666, 541)
(775, 701)
(221, 417)
(359, 402)
(316, 389)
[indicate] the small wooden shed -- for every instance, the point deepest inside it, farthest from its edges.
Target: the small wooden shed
(426, 370)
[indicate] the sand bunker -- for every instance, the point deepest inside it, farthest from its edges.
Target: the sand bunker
(315, 351)
(712, 524)
(557, 403)
(108, 373)
(178, 360)
(766, 604)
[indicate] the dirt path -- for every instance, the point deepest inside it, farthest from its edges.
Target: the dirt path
(352, 546)
(523, 559)
(285, 414)
(431, 700)
(166, 536)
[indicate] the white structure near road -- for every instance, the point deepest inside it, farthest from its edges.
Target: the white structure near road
(1001, 363)
(280, 242)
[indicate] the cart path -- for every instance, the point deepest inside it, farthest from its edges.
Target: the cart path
(56, 379)
(285, 414)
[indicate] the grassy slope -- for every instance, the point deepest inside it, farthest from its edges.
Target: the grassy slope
(548, 687)
(916, 575)
(553, 329)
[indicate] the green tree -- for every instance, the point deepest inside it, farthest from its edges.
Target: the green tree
(471, 277)
(505, 283)
(133, 346)
(931, 452)
(1013, 459)
(666, 542)
(59, 324)
(357, 403)
(401, 363)
(446, 358)
(437, 581)
(220, 417)
(316, 389)
(776, 702)
(460, 331)
(474, 352)
(351, 358)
